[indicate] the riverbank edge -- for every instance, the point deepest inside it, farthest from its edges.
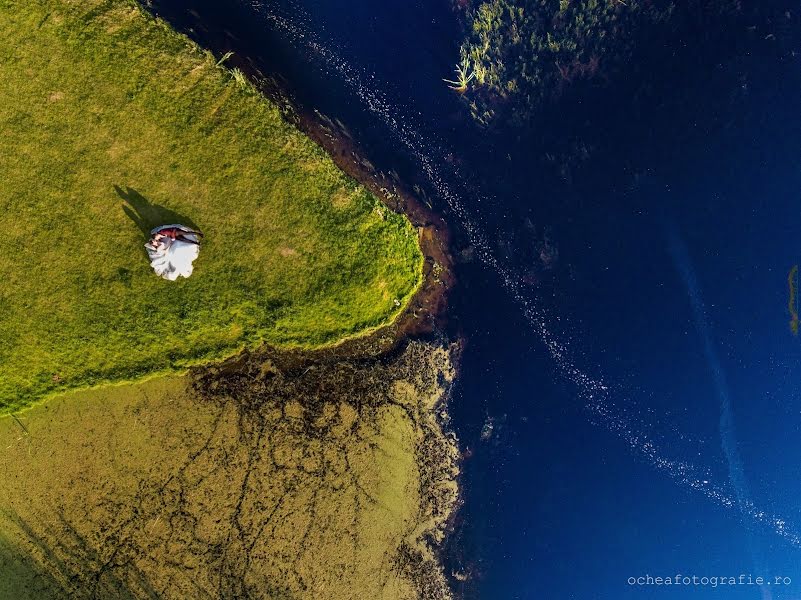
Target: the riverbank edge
(422, 296)
(424, 317)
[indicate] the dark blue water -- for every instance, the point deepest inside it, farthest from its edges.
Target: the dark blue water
(629, 399)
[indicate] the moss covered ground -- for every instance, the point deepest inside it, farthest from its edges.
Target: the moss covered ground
(112, 123)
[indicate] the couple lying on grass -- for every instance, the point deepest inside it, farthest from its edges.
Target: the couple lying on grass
(172, 250)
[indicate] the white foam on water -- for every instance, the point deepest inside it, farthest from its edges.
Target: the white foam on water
(631, 428)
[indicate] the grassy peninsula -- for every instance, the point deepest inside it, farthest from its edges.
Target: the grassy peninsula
(113, 123)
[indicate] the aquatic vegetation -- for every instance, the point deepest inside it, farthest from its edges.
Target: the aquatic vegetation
(112, 124)
(239, 77)
(530, 51)
(464, 75)
(224, 58)
(532, 48)
(288, 475)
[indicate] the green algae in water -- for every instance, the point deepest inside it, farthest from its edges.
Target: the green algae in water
(305, 476)
(108, 112)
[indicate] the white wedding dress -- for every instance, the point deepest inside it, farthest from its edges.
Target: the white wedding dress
(171, 258)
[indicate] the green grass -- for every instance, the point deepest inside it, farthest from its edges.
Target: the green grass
(112, 123)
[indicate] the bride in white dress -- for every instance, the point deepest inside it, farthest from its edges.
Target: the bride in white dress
(172, 250)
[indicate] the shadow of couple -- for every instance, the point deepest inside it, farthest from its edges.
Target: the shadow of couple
(147, 215)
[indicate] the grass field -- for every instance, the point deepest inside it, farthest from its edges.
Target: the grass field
(112, 124)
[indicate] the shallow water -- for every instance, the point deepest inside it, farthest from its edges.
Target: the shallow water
(628, 402)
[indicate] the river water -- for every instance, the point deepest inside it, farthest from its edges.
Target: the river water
(629, 401)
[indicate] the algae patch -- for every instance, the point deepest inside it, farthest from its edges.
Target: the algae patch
(306, 475)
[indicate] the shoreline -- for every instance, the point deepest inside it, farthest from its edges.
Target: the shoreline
(426, 311)
(424, 318)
